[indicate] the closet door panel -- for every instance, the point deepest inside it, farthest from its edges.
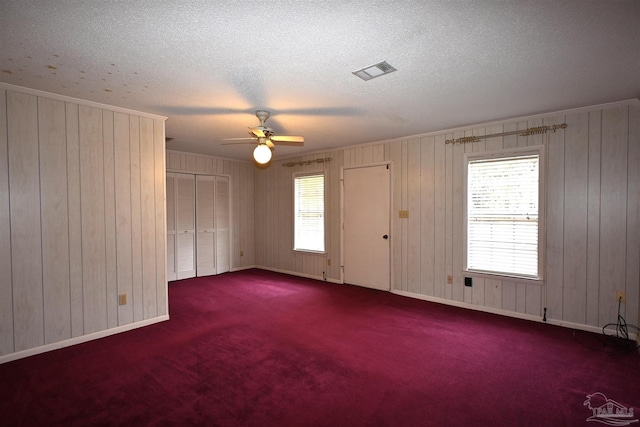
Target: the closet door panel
(205, 202)
(185, 226)
(205, 223)
(185, 244)
(223, 251)
(185, 200)
(206, 265)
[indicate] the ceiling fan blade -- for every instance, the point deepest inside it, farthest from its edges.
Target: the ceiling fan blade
(257, 132)
(238, 139)
(282, 138)
(183, 110)
(321, 111)
(190, 110)
(269, 143)
(240, 142)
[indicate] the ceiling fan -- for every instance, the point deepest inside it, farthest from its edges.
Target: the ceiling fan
(265, 138)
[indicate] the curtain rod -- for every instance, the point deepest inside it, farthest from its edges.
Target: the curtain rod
(306, 162)
(525, 132)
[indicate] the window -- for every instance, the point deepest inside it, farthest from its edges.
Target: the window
(309, 212)
(504, 213)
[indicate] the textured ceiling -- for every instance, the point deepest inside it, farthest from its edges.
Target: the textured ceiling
(209, 65)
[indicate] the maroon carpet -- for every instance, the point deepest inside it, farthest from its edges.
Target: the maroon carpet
(256, 348)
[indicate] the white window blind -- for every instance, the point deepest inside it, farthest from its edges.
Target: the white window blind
(502, 215)
(309, 213)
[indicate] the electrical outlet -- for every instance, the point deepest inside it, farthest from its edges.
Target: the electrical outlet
(450, 280)
(122, 299)
(329, 261)
(621, 296)
(241, 253)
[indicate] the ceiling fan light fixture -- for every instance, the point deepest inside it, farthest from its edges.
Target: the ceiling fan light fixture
(262, 154)
(375, 70)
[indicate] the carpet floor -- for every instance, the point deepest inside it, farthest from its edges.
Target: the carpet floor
(257, 348)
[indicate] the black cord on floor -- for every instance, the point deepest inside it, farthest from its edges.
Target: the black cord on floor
(615, 337)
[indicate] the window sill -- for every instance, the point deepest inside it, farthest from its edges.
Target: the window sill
(504, 277)
(309, 252)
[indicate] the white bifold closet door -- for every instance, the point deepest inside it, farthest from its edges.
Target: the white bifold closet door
(212, 225)
(185, 240)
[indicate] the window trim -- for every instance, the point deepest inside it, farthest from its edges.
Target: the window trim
(297, 175)
(498, 154)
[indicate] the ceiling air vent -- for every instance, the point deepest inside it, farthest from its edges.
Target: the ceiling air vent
(373, 71)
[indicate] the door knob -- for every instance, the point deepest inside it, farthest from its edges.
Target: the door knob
(385, 237)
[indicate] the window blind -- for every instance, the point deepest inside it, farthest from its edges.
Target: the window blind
(309, 213)
(502, 215)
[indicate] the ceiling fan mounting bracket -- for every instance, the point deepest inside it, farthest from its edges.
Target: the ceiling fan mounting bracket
(262, 115)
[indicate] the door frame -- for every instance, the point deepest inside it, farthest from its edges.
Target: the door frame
(389, 165)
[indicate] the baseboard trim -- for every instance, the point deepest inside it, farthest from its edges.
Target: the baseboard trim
(294, 273)
(555, 322)
(81, 339)
(461, 304)
(246, 267)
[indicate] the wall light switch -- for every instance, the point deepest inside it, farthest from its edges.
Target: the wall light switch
(403, 214)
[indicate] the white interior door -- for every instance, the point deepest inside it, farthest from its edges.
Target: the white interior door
(205, 225)
(366, 214)
(185, 226)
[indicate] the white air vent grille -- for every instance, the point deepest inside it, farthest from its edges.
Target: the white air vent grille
(376, 70)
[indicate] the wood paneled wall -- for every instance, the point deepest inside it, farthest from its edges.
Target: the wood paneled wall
(241, 180)
(81, 221)
(592, 217)
(274, 219)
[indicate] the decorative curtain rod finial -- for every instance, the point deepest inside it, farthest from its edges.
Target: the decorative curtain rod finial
(526, 132)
